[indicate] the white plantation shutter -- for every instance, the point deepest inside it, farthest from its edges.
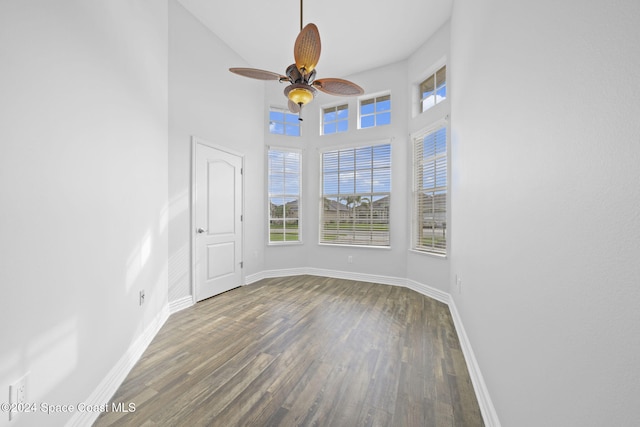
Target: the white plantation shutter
(356, 193)
(430, 190)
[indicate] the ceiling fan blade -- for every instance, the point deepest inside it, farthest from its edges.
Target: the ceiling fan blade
(339, 87)
(254, 73)
(293, 107)
(307, 48)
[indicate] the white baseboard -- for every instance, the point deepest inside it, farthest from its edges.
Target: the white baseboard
(180, 304)
(427, 290)
(268, 274)
(489, 414)
(109, 385)
(422, 288)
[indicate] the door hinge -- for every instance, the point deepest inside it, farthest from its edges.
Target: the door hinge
(241, 171)
(241, 264)
(241, 218)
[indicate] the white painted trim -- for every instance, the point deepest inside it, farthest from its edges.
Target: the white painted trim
(422, 288)
(489, 414)
(180, 304)
(429, 291)
(252, 278)
(110, 384)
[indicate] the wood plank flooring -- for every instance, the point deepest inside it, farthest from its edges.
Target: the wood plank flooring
(303, 351)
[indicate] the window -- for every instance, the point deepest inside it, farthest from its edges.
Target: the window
(375, 111)
(283, 122)
(434, 89)
(335, 119)
(356, 192)
(430, 190)
(284, 195)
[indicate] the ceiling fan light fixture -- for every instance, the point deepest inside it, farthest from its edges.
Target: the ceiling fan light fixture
(302, 73)
(300, 94)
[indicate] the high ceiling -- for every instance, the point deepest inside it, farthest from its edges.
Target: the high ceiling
(356, 35)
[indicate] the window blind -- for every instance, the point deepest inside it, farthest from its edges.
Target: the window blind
(356, 194)
(284, 183)
(430, 191)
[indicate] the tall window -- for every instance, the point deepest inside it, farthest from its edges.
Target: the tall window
(356, 193)
(284, 195)
(430, 190)
(375, 111)
(283, 122)
(335, 119)
(434, 89)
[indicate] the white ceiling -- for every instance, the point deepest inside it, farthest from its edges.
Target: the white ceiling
(356, 35)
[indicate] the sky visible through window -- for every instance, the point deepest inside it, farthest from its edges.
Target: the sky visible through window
(283, 122)
(360, 170)
(375, 111)
(284, 176)
(335, 119)
(434, 89)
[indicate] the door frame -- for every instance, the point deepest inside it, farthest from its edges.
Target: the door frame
(194, 142)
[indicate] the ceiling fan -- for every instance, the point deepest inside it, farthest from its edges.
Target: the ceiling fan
(301, 75)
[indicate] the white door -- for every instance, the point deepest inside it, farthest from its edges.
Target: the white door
(217, 220)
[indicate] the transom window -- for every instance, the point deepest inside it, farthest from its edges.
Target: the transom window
(434, 89)
(283, 122)
(430, 190)
(356, 194)
(284, 182)
(375, 111)
(335, 119)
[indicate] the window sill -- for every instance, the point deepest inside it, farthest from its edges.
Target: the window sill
(339, 245)
(429, 254)
(285, 243)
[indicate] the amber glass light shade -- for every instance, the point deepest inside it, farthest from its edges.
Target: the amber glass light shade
(300, 95)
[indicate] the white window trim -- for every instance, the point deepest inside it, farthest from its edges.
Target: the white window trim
(434, 126)
(415, 87)
(334, 105)
(300, 240)
(366, 98)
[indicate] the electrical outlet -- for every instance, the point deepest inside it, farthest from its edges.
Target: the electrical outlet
(141, 297)
(17, 395)
(458, 284)
(350, 259)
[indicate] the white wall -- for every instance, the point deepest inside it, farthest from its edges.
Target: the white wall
(208, 101)
(386, 262)
(83, 191)
(396, 262)
(546, 148)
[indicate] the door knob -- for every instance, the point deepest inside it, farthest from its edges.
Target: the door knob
(201, 230)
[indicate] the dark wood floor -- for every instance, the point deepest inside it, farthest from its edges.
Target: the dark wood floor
(303, 350)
